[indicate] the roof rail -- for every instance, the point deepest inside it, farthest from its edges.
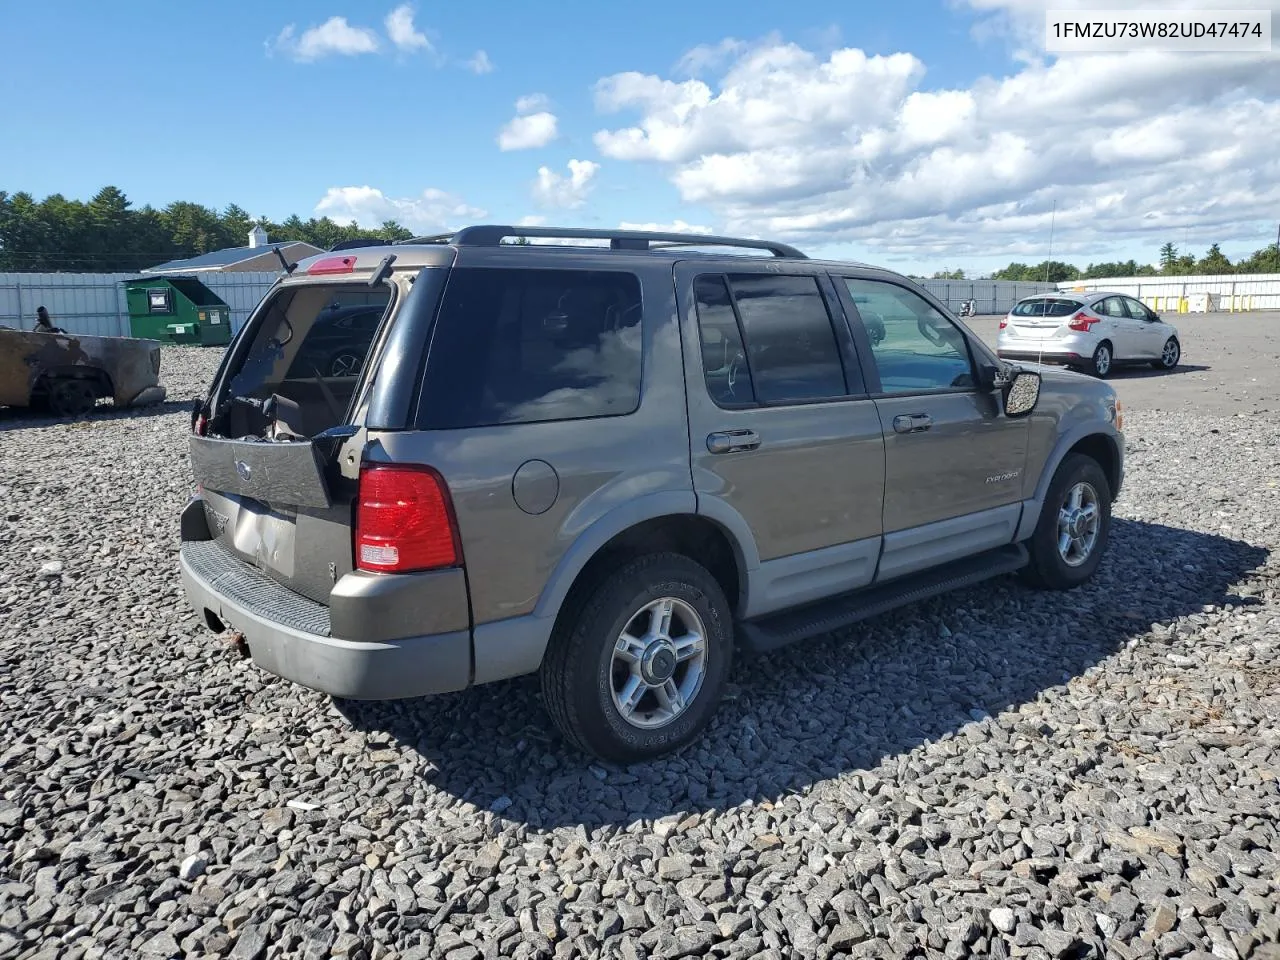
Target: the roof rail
(356, 244)
(491, 235)
(435, 238)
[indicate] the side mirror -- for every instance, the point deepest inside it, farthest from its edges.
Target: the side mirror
(1022, 394)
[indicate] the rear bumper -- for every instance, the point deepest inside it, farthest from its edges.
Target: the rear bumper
(386, 670)
(1075, 348)
(1034, 356)
(362, 647)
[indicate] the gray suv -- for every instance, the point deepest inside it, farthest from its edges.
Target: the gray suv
(617, 460)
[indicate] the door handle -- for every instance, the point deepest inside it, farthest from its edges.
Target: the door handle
(912, 423)
(729, 441)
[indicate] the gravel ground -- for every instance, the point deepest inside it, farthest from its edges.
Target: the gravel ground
(997, 773)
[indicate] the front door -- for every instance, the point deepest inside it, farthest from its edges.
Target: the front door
(953, 462)
(785, 445)
(1148, 335)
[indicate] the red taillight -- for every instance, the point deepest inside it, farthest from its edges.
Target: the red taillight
(1081, 321)
(332, 265)
(201, 425)
(404, 520)
(1004, 322)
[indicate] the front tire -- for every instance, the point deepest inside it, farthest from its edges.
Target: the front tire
(1102, 361)
(635, 670)
(1074, 525)
(1170, 354)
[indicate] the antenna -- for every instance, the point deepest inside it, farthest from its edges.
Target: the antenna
(1052, 218)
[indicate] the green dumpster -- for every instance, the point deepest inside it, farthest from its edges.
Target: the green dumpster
(177, 309)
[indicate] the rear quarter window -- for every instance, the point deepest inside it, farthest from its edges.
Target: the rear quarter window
(1046, 308)
(525, 346)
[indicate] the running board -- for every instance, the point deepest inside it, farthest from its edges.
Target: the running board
(790, 626)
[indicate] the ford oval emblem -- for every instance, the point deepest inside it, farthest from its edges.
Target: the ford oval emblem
(242, 468)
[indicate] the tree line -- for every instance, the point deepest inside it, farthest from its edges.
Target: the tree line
(1172, 263)
(108, 235)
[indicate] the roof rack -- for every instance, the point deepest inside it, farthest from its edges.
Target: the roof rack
(356, 244)
(434, 238)
(492, 235)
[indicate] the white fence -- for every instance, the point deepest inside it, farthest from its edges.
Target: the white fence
(988, 296)
(1255, 291)
(93, 304)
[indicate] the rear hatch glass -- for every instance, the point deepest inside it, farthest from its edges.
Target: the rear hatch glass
(273, 493)
(308, 350)
(1041, 317)
(1046, 308)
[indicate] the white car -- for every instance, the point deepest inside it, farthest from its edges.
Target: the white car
(1094, 331)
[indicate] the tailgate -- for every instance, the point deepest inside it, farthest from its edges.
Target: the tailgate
(285, 508)
(1035, 329)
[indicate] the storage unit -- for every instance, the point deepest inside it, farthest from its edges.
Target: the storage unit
(1204, 302)
(177, 309)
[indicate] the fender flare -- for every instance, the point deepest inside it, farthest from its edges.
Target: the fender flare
(623, 517)
(1087, 428)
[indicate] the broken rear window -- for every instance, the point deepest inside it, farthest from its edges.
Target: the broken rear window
(309, 348)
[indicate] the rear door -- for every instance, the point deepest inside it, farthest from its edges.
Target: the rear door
(783, 438)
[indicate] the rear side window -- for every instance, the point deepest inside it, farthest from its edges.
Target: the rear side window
(1046, 308)
(790, 354)
(522, 346)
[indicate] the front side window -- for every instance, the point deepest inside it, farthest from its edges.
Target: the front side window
(916, 348)
(522, 346)
(767, 338)
(1136, 309)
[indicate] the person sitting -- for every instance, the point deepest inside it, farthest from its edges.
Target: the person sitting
(44, 324)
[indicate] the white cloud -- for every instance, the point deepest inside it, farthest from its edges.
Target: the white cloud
(855, 149)
(402, 32)
(532, 103)
(552, 189)
(432, 211)
(534, 126)
(707, 56)
(676, 226)
(333, 37)
(480, 63)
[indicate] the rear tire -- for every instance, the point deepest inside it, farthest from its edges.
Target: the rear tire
(608, 654)
(1102, 361)
(1170, 354)
(1067, 546)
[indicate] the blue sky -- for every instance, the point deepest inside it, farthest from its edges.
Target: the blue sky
(902, 133)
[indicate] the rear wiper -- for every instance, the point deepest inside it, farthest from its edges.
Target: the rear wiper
(288, 267)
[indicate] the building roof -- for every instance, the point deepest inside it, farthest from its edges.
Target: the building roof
(218, 259)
